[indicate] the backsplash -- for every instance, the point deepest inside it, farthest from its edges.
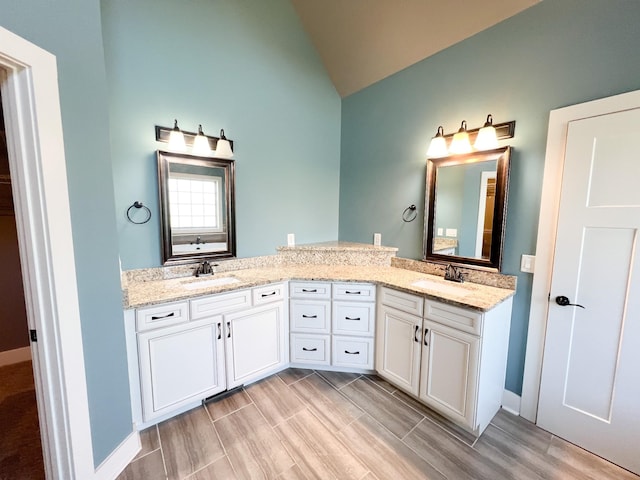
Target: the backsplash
(482, 277)
(327, 253)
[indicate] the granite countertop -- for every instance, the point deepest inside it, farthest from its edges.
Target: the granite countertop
(468, 295)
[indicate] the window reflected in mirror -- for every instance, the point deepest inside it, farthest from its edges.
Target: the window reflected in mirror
(466, 208)
(197, 213)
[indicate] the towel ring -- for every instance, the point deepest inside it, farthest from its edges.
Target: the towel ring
(410, 213)
(137, 204)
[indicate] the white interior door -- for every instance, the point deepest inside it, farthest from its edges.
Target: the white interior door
(590, 388)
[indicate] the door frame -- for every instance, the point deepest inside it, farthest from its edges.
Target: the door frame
(33, 123)
(547, 228)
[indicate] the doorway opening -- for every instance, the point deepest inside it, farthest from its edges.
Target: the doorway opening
(20, 442)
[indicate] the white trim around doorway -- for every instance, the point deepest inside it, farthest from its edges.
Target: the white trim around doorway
(545, 246)
(33, 123)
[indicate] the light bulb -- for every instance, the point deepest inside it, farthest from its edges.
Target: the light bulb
(223, 147)
(438, 145)
(487, 138)
(176, 139)
(460, 143)
(201, 144)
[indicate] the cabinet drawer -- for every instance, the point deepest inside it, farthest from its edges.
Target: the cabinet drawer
(268, 293)
(310, 349)
(161, 315)
(354, 291)
(222, 303)
(352, 352)
(318, 290)
(459, 318)
(353, 318)
(309, 316)
(402, 301)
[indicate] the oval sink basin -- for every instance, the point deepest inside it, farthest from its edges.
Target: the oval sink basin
(447, 289)
(210, 282)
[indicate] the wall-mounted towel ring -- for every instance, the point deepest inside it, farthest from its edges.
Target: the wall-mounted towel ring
(410, 213)
(137, 204)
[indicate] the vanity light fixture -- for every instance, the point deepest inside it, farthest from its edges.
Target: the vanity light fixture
(438, 145)
(460, 143)
(176, 139)
(223, 147)
(201, 143)
(198, 143)
(485, 138)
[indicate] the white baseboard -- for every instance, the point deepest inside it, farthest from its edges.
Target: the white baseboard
(117, 461)
(511, 402)
(16, 355)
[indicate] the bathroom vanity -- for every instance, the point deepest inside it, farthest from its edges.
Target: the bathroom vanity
(443, 343)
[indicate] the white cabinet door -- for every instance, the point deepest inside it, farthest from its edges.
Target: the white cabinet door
(255, 343)
(399, 337)
(180, 364)
(449, 372)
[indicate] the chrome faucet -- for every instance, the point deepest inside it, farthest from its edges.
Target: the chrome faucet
(204, 268)
(453, 274)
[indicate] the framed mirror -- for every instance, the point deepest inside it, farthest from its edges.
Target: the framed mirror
(197, 212)
(466, 208)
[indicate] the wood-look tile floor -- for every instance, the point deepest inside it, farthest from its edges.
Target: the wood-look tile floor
(305, 424)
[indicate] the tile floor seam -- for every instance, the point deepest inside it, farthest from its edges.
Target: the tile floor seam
(415, 426)
(366, 377)
(342, 394)
(164, 462)
(298, 380)
(142, 456)
(275, 433)
(224, 449)
(422, 457)
(230, 413)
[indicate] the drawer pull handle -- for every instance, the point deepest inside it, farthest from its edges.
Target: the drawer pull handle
(160, 317)
(415, 335)
(309, 316)
(349, 318)
(426, 332)
(310, 290)
(351, 353)
(349, 292)
(309, 349)
(219, 330)
(268, 294)
(228, 329)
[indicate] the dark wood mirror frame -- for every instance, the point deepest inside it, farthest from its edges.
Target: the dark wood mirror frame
(165, 160)
(502, 158)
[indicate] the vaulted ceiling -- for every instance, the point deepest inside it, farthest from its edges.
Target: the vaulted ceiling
(363, 41)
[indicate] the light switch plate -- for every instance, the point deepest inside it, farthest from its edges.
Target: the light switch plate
(291, 240)
(451, 232)
(528, 263)
(377, 239)
(440, 231)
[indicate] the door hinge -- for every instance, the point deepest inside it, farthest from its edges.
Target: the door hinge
(33, 335)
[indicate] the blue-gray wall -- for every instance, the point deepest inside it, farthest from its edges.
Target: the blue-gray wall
(557, 53)
(70, 29)
(243, 65)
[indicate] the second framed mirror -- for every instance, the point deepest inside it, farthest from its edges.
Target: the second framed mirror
(466, 208)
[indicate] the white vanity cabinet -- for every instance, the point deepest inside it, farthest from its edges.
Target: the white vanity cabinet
(399, 338)
(180, 364)
(255, 343)
(332, 324)
(183, 352)
(451, 358)
(310, 323)
(353, 325)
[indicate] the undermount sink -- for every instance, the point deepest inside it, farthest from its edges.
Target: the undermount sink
(210, 282)
(438, 287)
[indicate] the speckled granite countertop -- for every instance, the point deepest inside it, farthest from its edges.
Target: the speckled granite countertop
(469, 295)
